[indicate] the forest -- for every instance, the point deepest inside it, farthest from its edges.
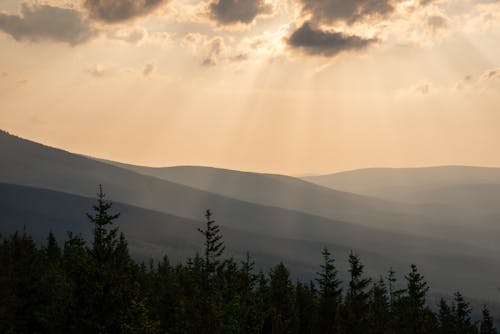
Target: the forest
(97, 287)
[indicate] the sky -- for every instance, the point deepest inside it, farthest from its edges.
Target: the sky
(284, 86)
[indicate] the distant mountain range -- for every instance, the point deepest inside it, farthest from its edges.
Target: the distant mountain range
(444, 219)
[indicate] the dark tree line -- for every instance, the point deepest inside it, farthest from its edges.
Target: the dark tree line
(97, 288)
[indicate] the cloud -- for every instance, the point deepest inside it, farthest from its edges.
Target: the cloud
(326, 43)
(98, 71)
(348, 11)
(148, 69)
(214, 49)
(45, 22)
(330, 12)
(422, 88)
(489, 79)
(211, 48)
(133, 36)
(233, 12)
(115, 11)
(437, 22)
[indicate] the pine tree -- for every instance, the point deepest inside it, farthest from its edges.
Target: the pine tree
(214, 247)
(411, 314)
(394, 292)
(281, 300)
(106, 240)
(417, 287)
(353, 312)
(212, 301)
(305, 308)
(329, 293)
(445, 318)
(379, 308)
(109, 291)
(462, 316)
(52, 250)
(487, 326)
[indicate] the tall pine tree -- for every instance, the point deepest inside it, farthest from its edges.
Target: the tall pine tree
(329, 294)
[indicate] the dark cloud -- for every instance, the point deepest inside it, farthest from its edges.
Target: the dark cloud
(349, 11)
(229, 12)
(115, 11)
(325, 43)
(437, 22)
(45, 22)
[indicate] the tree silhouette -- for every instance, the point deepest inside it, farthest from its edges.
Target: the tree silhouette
(329, 293)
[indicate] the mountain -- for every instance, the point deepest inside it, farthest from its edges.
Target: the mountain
(154, 234)
(435, 216)
(285, 192)
(407, 184)
(257, 214)
(471, 192)
(29, 163)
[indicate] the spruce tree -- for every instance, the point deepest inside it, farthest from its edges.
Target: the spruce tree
(112, 298)
(353, 312)
(394, 292)
(412, 315)
(105, 237)
(329, 293)
(214, 247)
(212, 301)
(462, 316)
(487, 326)
(379, 308)
(52, 250)
(445, 318)
(281, 300)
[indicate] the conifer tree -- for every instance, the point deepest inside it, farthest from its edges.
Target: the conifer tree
(394, 292)
(487, 326)
(212, 304)
(462, 316)
(305, 308)
(329, 293)
(52, 250)
(108, 290)
(281, 300)
(412, 315)
(379, 308)
(214, 247)
(105, 240)
(445, 318)
(417, 287)
(353, 312)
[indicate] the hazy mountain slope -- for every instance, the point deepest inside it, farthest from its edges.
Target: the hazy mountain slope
(437, 217)
(28, 163)
(32, 164)
(407, 184)
(295, 194)
(154, 234)
(468, 196)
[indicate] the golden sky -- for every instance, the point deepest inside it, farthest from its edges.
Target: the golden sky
(286, 86)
